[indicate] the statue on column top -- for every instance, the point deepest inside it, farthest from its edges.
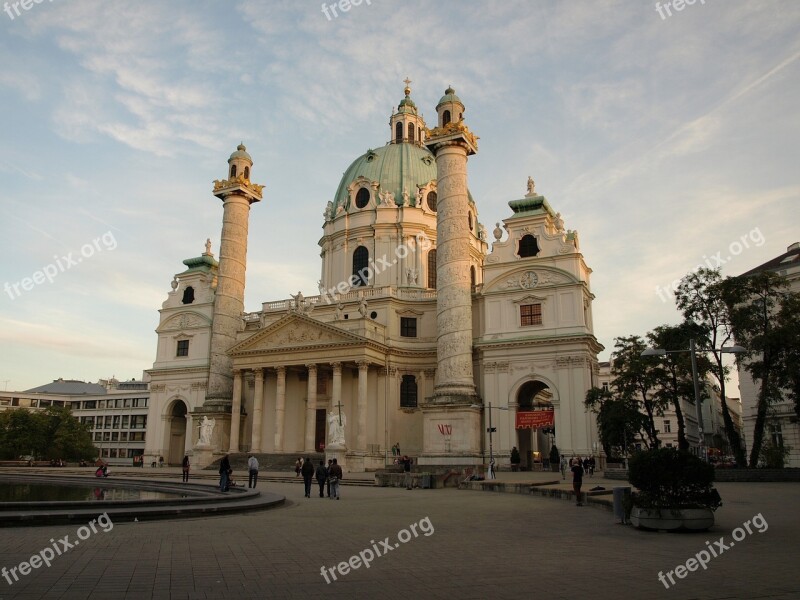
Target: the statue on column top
(531, 187)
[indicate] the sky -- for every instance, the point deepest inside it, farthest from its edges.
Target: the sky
(667, 139)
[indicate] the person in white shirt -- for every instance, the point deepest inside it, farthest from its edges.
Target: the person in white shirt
(252, 469)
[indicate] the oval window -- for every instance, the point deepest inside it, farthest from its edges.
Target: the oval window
(432, 201)
(362, 198)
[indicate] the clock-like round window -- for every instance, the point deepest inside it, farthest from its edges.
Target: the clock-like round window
(362, 198)
(432, 201)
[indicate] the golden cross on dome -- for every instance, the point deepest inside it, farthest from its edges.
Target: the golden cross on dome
(407, 81)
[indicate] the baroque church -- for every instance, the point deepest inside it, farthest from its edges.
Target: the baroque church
(424, 334)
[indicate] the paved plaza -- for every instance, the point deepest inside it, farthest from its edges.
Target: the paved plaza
(478, 545)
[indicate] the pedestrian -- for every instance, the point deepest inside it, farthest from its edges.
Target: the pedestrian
(563, 467)
(586, 466)
(591, 466)
(225, 474)
(491, 470)
(397, 445)
(577, 481)
(394, 450)
(185, 468)
(322, 477)
(252, 471)
(328, 479)
(335, 476)
(307, 469)
(407, 469)
(297, 467)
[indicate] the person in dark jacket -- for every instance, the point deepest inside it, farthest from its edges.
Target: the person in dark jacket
(406, 462)
(185, 468)
(224, 474)
(335, 475)
(328, 481)
(308, 473)
(322, 476)
(577, 480)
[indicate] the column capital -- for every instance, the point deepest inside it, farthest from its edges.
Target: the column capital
(259, 373)
(312, 368)
(237, 372)
(337, 366)
(281, 370)
(363, 365)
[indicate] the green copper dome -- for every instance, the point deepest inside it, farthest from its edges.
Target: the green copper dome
(241, 152)
(396, 167)
(449, 96)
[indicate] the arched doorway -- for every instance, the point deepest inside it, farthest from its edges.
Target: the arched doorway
(534, 424)
(177, 433)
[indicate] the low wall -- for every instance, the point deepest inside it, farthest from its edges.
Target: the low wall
(601, 498)
(730, 475)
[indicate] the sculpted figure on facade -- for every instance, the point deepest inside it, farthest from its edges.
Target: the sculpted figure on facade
(362, 307)
(531, 187)
(336, 425)
(206, 431)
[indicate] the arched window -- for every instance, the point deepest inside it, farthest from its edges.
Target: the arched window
(472, 276)
(469, 220)
(247, 172)
(445, 118)
(361, 266)
(398, 132)
(188, 295)
(432, 269)
(528, 246)
(362, 198)
(411, 132)
(432, 201)
(408, 392)
(233, 171)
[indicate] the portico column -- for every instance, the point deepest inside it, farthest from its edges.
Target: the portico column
(311, 408)
(258, 408)
(280, 408)
(363, 372)
(187, 441)
(336, 392)
(236, 410)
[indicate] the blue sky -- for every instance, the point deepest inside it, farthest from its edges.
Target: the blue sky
(663, 141)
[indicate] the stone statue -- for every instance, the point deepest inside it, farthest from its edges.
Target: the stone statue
(208, 247)
(498, 233)
(206, 431)
(336, 428)
(362, 307)
(387, 198)
(329, 211)
(406, 201)
(299, 301)
(531, 187)
(339, 311)
(174, 284)
(411, 276)
(558, 222)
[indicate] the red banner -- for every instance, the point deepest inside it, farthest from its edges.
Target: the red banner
(535, 419)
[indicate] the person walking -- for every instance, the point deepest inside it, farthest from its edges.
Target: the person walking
(185, 468)
(252, 471)
(322, 476)
(563, 467)
(328, 476)
(297, 466)
(224, 473)
(491, 470)
(308, 473)
(335, 477)
(586, 466)
(407, 470)
(591, 466)
(577, 481)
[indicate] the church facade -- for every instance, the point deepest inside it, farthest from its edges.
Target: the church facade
(422, 333)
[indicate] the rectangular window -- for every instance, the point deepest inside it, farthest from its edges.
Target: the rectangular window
(116, 422)
(605, 386)
(530, 314)
(408, 392)
(667, 427)
(408, 326)
(139, 422)
(98, 436)
(137, 436)
(115, 436)
(125, 421)
(127, 402)
(123, 436)
(107, 423)
(777, 435)
(183, 348)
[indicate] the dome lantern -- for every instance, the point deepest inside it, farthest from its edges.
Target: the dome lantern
(406, 125)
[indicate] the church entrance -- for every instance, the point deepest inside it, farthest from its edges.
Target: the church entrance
(535, 419)
(177, 433)
(319, 435)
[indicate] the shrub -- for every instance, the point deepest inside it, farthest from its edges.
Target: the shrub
(670, 478)
(514, 456)
(554, 455)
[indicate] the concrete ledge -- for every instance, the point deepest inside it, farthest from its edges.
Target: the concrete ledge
(599, 499)
(756, 475)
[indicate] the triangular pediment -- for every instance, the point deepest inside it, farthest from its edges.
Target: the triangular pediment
(297, 332)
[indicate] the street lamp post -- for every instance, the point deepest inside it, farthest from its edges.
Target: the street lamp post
(491, 429)
(695, 380)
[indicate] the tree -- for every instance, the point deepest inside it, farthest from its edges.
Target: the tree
(53, 433)
(634, 382)
(673, 372)
(764, 315)
(700, 298)
(619, 422)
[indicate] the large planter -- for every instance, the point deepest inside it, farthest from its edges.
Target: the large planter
(693, 519)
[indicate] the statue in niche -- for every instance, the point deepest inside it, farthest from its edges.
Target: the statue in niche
(411, 276)
(206, 431)
(336, 425)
